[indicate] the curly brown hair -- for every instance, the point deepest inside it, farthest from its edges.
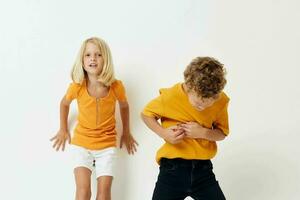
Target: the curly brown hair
(205, 76)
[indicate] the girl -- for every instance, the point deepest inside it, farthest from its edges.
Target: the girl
(94, 141)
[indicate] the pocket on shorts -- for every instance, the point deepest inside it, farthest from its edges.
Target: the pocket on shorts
(81, 157)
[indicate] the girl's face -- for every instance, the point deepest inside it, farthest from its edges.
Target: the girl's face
(92, 59)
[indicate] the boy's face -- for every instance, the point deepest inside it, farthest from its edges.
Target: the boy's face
(199, 102)
(92, 59)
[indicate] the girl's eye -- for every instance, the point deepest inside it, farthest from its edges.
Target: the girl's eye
(99, 55)
(87, 55)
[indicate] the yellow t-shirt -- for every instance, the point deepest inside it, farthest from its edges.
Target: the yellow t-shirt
(96, 116)
(172, 107)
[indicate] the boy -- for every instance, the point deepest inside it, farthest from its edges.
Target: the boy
(193, 117)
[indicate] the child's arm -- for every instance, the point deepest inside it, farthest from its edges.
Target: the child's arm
(195, 130)
(63, 133)
(171, 135)
(126, 137)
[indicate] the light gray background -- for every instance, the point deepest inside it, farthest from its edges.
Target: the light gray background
(151, 43)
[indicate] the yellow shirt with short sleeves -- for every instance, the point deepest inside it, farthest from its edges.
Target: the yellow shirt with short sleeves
(172, 107)
(95, 129)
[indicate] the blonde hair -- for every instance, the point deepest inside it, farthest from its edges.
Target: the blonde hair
(107, 76)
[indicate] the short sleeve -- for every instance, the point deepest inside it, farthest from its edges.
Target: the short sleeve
(154, 108)
(119, 91)
(72, 92)
(222, 120)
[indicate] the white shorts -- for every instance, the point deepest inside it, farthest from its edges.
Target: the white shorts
(102, 161)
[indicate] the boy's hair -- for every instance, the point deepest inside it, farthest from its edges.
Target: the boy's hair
(205, 76)
(106, 76)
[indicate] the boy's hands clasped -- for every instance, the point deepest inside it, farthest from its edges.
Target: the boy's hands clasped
(176, 134)
(193, 129)
(173, 134)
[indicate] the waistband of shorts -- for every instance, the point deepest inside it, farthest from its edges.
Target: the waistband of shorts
(184, 162)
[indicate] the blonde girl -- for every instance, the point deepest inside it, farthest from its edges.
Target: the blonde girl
(94, 144)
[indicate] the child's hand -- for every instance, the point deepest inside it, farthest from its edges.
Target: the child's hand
(60, 139)
(174, 134)
(193, 129)
(129, 142)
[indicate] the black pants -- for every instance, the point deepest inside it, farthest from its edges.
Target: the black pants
(179, 178)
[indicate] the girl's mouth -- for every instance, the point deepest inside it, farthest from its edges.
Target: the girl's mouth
(93, 65)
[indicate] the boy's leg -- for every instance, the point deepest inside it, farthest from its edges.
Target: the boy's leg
(104, 187)
(173, 181)
(83, 183)
(204, 184)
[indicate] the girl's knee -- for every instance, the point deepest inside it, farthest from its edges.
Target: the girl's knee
(104, 188)
(83, 193)
(104, 195)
